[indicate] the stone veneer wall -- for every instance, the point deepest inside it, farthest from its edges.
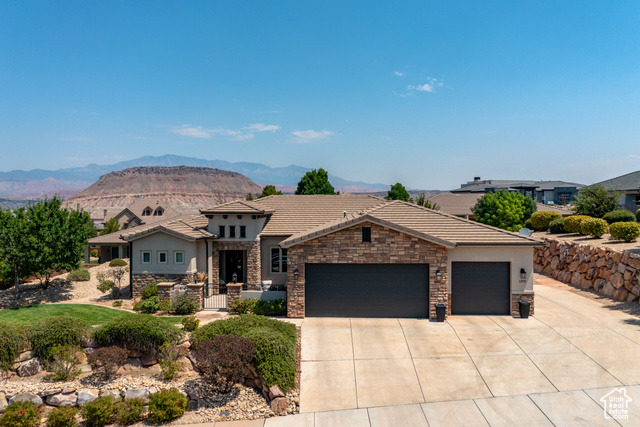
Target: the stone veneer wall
(607, 271)
(140, 280)
(254, 275)
(515, 306)
(387, 246)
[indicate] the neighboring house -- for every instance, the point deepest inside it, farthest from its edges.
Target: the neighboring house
(545, 192)
(629, 185)
(143, 211)
(460, 204)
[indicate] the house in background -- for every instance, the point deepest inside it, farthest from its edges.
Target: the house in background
(629, 185)
(341, 256)
(545, 192)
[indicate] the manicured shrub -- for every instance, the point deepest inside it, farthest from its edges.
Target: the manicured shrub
(185, 304)
(572, 223)
(13, 340)
(557, 226)
(141, 332)
(151, 290)
(108, 360)
(129, 411)
(246, 306)
(166, 405)
(105, 285)
(64, 366)
(595, 227)
(79, 275)
(169, 355)
(540, 220)
(62, 416)
(149, 305)
(190, 323)
(54, 331)
(165, 305)
(94, 253)
(627, 231)
(527, 224)
(276, 307)
(225, 360)
(99, 412)
(619, 215)
(274, 341)
(117, 262)
(20, 414)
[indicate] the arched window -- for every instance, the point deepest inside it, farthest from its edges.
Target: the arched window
(158, 212)
(147, 211)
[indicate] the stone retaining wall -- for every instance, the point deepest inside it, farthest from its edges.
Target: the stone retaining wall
(607, 271)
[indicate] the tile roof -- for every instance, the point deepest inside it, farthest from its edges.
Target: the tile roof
(630, 181)
(458, 204)
(108, 239)
(186, 227)
(297, 213)
(137, 207)
(238, 207)
(437, 227)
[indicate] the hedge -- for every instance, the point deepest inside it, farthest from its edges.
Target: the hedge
(56, 331)
(572, 223)
(12, 341)
(627, 231)
(141, 332)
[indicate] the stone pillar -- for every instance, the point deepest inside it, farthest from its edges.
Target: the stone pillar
(295, 287)
(254, 275)
(234, 292)
(515, 307)
(214, 269)
(196, 290)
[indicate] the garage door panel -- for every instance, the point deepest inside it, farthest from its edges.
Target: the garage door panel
(366, 290)
(480, 288)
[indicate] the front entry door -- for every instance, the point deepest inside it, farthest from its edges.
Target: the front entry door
(234, 263)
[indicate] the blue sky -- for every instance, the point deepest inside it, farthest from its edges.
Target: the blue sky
(428, 93)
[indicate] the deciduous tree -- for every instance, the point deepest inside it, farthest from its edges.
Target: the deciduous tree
(315, 182)
(269, 190)
(398, 192)
(423, 201)
(504, 209)
(595, 201)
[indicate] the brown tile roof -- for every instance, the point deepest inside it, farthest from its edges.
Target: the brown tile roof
(108, 239)
(238, 207)
(437, 227)
(186, 227)
(458, 204)
(296, 213)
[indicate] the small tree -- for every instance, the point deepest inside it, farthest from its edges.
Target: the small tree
(504, 209)
(269, 190)
(398, 192)
(423, 201)
(315, 182)
(249, 197)
(595, 201)
(15, 244)
(110, 226)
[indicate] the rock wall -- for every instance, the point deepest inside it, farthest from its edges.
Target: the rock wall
(607, 271)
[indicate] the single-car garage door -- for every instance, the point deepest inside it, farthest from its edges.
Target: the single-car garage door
(480, 288)
(367, 290)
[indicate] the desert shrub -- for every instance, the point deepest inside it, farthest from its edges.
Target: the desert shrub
(62, 416)
(55, 331)
(190, 323)
(627, 231)
(99, 412)
(129, 411)
(12, 341)
(141, 332)
(557, 226)
(540, 220)
(105, 285)
(117, 262)
(79, 275)
(166, 405)
(169, 355)
(527, 224)
(276, 307)
(243, 306)
(149, 305)
(274, 341)
(151, 290)
(94, 253)
(619, 215)
(20, 414)
(595, 227)
(108, 360)
(117, 303)
(165, 305)
(572, 223)
(225, 360)
(185, 304)
(64, 363)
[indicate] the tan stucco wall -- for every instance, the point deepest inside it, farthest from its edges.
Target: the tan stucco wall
(159, 242)
(519, 257)
(254, 226)
(266, 243)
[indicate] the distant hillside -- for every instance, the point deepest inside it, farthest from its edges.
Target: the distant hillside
(41, 182)
(181, 187)
(13, 203)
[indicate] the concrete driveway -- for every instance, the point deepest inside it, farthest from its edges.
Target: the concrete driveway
(573, 348)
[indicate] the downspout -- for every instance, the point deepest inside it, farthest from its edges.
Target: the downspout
(131, 269)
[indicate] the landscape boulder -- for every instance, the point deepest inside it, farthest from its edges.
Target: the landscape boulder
(142, 393)
(26, 397)
(29, 368)
(88, 395)
(61, 399)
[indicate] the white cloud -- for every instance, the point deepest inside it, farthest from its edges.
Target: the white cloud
(307, 136)
(259, 127)
(247, 132)
(191, 131)
(430, 86)
(634, 156)
(398, 73)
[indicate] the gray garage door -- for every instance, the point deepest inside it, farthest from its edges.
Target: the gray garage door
(480, 288)
(367, 290)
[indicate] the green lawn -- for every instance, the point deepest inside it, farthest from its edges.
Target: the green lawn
(92, 314)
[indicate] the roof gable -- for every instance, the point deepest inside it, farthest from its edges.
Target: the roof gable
(190, 228)
(238, 207)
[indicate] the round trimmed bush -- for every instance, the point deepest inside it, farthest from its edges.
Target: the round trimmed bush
(166, 405)
(20, 414)
(12, 341)
(627, 231)
(185, 304)
(141, 332)
(79, 275)
(117, 262)
(56, 331)
(540, 220)
(595, 227)
(572, 223)
(619, 215)
(527, 224)
(557, 226)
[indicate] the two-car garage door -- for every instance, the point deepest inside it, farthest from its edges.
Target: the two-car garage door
(367, 290)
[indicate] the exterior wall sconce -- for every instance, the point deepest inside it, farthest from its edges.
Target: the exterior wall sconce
(296, 274)
(234, 277)
(523, 273)
(438, 275)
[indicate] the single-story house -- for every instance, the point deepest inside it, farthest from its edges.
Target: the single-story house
(629, 185)
(343, 256)
(545, 192)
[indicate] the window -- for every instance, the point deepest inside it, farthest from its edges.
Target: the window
(239, 216)
(178, 257)
(366, 234)
(147, 211)
(158, 212)
(278, 260)
(162, 257)
(146, 257)
(221, 230)
(232, 231)
(243, 231)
